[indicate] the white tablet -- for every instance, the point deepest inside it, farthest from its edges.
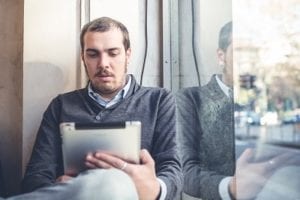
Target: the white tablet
(122, 139)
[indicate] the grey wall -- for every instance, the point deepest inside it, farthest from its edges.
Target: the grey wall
(199, 25)
(50, 60)
(11, 50)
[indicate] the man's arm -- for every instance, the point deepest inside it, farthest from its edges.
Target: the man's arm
(199, 181)
(46, 158)
(165, 150)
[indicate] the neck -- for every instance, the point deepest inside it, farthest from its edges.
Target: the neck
(227, 81)
(109, 95)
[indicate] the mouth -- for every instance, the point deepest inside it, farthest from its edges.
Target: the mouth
(104, 76)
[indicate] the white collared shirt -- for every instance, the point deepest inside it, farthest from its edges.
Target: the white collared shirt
(117, 98)
(227, 90)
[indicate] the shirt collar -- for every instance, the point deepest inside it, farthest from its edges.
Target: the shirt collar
(223, 87)
(117, 98)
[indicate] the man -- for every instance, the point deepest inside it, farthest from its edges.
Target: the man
(111, 96)
(206, 137)
(205, 118)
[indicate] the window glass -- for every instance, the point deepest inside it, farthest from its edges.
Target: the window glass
(267, 115)
(244, 146)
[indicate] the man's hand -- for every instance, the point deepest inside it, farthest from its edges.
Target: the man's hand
(250, 177)
(143, 175)
(63, 178)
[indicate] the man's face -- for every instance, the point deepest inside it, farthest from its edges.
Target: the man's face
(226, 58)
(105, 60)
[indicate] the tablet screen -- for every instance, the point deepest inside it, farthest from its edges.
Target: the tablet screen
(122, 139)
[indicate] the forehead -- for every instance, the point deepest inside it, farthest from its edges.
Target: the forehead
(108, 39)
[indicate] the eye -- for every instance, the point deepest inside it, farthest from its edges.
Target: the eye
(92, 53)
(114, 53)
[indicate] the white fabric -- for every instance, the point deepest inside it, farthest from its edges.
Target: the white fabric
(223, 188)
(224, 87)
(104, 184)
(163, 189)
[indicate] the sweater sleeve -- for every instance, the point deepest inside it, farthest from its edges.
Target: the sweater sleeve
(164, 149)
(45, 163)
(199, 181)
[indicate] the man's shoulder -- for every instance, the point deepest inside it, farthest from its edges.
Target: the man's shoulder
(155, 90)
(189, 92)
(205, 90)
(198, 94)
(189, 89)
(153, 95)
(72, 94)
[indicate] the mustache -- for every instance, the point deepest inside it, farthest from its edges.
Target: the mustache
(104, 72)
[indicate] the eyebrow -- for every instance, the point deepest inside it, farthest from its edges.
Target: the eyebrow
(106, 50)
(114, 49)
(92, 50)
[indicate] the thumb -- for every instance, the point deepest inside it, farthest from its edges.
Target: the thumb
(146, 157)
(246, 156)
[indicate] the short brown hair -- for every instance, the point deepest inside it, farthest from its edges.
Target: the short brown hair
(225, 36)
(104, 24)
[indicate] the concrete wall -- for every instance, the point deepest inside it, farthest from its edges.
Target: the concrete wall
(213, 15)
(199, 25)
(11, 50)
(51, 66)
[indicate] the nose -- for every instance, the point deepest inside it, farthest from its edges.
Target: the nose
(103, 61)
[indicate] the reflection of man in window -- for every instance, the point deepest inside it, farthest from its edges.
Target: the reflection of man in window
(206, 137)
(206, 127)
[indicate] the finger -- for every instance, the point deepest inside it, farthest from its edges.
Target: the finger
(90, 158)
(146, 158)
(63, 178)
(276, 162)
(90, 165)
(112, 160)
(93, 162)
(59, 179)
(246, 156)
(284, 159)
(102, 164)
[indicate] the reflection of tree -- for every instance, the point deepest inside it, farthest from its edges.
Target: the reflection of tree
(283, 86)
(277, 49)
(285, 78)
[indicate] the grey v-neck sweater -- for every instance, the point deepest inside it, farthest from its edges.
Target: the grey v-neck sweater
(154, 107)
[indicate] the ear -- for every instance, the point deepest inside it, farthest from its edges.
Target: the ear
(82, 56)
(221, 57)
(83, 61)
(128, 54)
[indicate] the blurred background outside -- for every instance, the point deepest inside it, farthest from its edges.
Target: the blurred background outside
(267, 66)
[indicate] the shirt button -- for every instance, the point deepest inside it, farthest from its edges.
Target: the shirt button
(98, 117)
